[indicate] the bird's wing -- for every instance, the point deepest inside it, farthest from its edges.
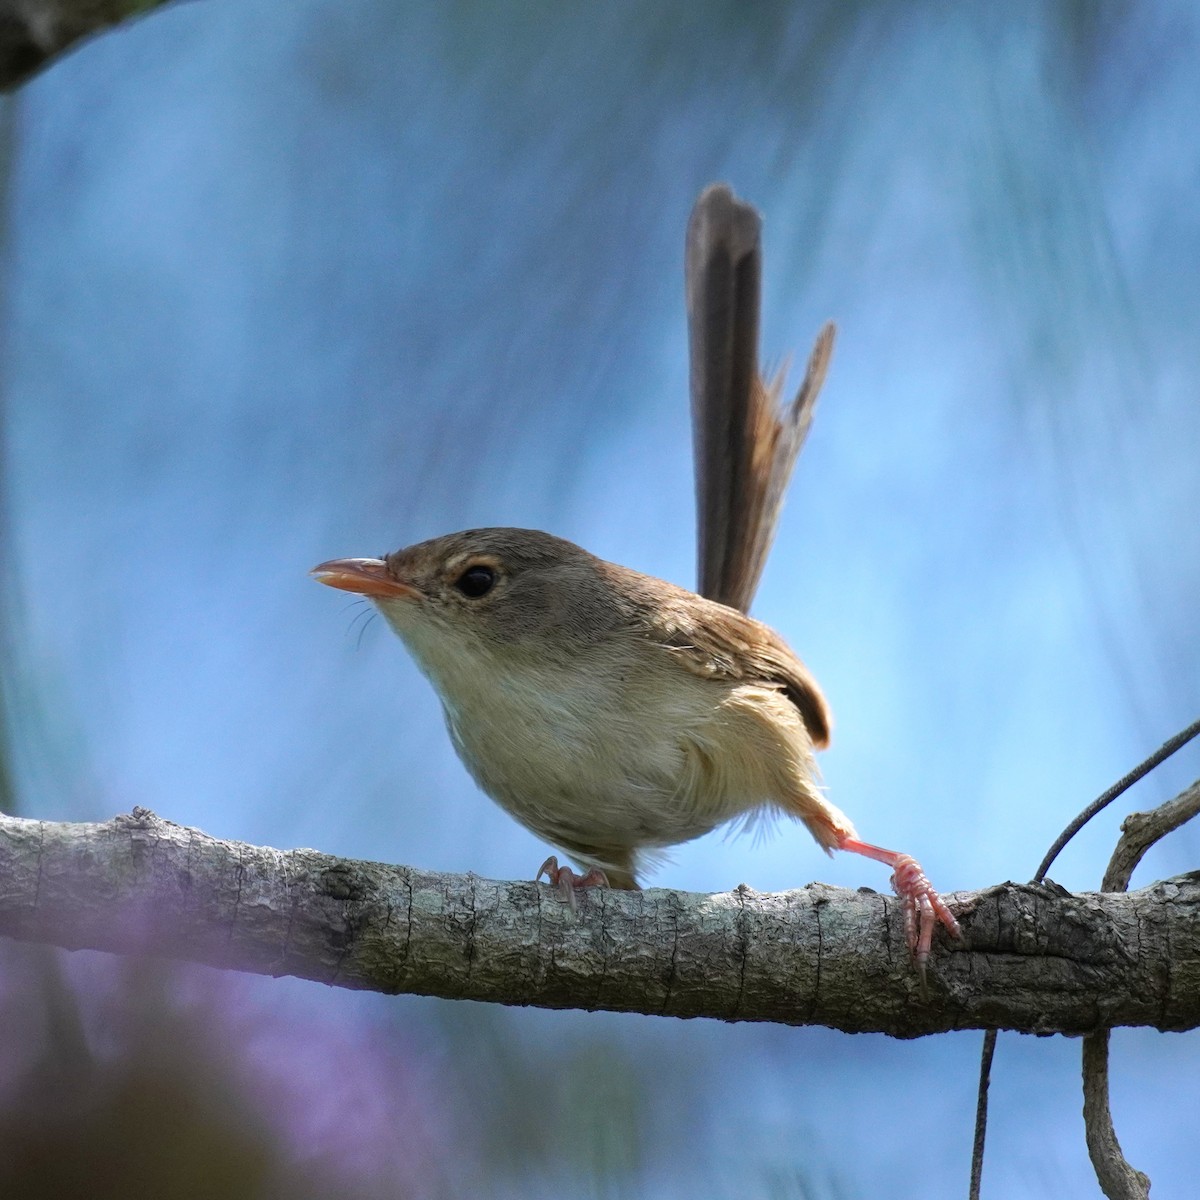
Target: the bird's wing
(717, 642)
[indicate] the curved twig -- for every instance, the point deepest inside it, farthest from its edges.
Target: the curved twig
(1118, 1180)
(1129, 850)
(1139, 831)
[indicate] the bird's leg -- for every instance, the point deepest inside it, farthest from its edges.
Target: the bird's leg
(923, 907)
(567, 880)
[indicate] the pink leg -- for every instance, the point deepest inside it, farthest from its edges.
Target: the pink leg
(567, 880)
(923, 907)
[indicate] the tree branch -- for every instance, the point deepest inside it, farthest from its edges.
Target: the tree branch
(1036, 959)
(34, 32)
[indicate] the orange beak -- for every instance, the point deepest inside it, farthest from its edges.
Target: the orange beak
(367, 576)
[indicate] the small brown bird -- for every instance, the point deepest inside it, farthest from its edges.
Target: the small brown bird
(613, 713)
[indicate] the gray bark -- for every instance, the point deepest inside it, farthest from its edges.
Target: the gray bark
(1038, 960)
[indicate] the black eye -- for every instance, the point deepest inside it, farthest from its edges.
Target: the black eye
(476, 581)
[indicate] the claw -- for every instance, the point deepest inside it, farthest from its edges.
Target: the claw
(566, 880)
(923, 907)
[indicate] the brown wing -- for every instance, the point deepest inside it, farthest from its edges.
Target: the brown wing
(717, 642)
(745, 444)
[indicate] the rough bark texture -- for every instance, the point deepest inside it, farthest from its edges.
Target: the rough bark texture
(34, 32)
(1038, 960)
(1035, 959)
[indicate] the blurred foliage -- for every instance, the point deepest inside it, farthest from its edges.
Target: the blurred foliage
(157, 1092)
(158, 1114)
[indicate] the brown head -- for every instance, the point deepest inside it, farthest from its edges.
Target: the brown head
(498, 588)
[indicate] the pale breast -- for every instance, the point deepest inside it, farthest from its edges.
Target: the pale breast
(618, 747)
(622, 761)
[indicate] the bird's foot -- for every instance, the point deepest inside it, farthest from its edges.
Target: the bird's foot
(567, 881)
(923, 907)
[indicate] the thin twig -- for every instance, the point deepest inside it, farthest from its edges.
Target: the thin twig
(1164, 752)
(981, 1106)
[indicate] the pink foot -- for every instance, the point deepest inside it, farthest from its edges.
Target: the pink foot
(567, 880)
(923, 907)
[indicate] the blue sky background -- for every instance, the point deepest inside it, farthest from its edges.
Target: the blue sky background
(293, 281)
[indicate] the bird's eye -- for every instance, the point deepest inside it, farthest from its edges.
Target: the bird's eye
(476, 581)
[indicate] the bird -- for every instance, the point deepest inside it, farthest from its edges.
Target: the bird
(615, 714)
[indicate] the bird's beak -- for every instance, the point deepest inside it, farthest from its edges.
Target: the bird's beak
(368, 576)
